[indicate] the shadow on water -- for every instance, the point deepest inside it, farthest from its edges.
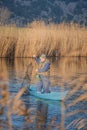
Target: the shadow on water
(18, 111)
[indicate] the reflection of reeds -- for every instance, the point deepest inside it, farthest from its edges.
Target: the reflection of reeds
(65, 68)
(57, 40)
(76, 83)
(79, 123)
(13, 105)
(3, 71)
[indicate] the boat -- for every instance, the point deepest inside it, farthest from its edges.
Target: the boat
(56, 96)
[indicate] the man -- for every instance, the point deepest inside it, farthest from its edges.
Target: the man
(43, 73)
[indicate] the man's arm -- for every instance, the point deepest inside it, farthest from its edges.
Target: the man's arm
(37, 60)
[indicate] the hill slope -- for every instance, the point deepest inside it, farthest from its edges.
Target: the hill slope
(24, 11)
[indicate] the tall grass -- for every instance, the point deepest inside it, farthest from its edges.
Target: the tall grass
(37, 37)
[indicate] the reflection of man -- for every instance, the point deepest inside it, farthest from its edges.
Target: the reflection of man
(43, 73)
(41, 119)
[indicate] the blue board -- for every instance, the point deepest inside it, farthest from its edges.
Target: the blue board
(48, 96)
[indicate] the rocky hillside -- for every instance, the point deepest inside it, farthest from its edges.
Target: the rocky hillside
(24, 11)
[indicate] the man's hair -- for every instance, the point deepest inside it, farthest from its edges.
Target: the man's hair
(43, 56)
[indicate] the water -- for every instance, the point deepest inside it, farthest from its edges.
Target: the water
(23, 112)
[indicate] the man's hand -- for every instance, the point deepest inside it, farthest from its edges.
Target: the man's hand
(36, 70)
(34, 56)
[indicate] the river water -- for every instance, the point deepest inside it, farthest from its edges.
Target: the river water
(25, 112)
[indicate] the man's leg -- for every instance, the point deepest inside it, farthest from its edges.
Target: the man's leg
(40, 86)
(46, 84)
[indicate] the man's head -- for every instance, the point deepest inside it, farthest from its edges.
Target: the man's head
(43, 58)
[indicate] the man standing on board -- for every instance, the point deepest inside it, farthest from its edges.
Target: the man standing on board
(43, 73)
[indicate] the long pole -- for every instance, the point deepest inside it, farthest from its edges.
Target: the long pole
(28, 74)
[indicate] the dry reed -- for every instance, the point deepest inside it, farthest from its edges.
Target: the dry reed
(37, 38)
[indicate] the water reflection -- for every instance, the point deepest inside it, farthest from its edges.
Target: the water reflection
(41, 115)
(47, 114)
(66, 73)
(64, 68)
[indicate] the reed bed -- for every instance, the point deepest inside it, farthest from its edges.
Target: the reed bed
(53, 40)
